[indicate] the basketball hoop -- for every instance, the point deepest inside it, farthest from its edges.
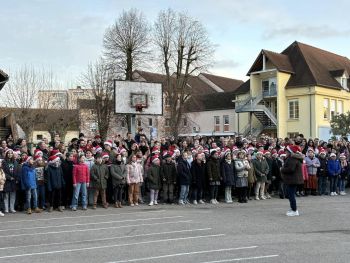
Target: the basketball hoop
(138, 107)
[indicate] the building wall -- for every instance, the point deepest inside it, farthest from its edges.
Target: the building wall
(45, 134)
(282, 107)
(205, 120)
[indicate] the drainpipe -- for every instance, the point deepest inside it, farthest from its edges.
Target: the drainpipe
(310, 112)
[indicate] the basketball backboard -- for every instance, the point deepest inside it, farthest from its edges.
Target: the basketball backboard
(131, 95)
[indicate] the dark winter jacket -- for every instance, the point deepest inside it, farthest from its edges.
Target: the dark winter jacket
(276, 169)
(169, 173)
(28, 180)
(99, 174)
(67, 169)
(261, 168)
(228, 173)
(213, 168)
(198, 174)
(118, 174)
(322, 170)
(54, 177)
(183, 171)
(269, 174)
(333, 167)
(11, 169)
(344, 172)
(154, 177)
(292, 170)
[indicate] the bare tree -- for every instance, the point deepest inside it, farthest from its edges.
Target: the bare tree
(60, 121)
(126, 42)
(22, 94)
(99, 77)
(184, 48)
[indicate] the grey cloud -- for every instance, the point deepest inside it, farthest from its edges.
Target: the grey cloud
(315, 32)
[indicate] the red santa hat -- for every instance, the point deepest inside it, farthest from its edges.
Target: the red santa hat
(53, 158)
(266, 152)
(37, 158)
(322, 151)
(55, 152)
(194, 151)
(97, 137)
(235, 148)
(27, 158)
(122, 150)
(38, 152)
(109, 143)
(293, 148)
(105, 155)
(155, 158)
(98, 149)
(155, 150)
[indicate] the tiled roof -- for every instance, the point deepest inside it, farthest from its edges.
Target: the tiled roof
(215, 101)
(227, 84)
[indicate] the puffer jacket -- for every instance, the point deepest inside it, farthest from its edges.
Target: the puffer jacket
(99, 174)
(333, 167)
(28, 180)
(154, 177)
(81, 173)
(54, 177)
(292, 170)
(134, 173)
(312, 165)
(213, 168)
(241, 167)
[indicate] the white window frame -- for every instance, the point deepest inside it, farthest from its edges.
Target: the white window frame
(226, 126)
(340, 105)
(325, 106)
(294, 113)
(216, 123)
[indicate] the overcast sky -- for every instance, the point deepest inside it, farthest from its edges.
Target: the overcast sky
(67, 35)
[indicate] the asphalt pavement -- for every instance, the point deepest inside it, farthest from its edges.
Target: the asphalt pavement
(255, 232)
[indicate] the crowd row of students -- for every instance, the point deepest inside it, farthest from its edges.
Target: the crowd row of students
(53, 177)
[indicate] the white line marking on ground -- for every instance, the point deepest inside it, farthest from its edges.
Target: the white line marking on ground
(95, 223)
(95, 229)
(241, 259)
(109, 238)
(70, 217)
(110, 246)
(183, 254)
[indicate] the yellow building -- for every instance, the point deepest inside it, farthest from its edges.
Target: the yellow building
(294, 92)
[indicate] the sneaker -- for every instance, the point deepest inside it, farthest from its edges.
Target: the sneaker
(29, 211)
(332, 194)
(212, 201)
(288, 212)
(151, 203)
(6, 211)
(263, 197)
(195, 202)
(201, 201)
(74, 209)
(84, 208)
(1, 214)
(228, 201)
(342, 193)
(13, 211)
(181, 202)
(137, 204)
(94, 207)
(132, 205)
(257, 198)
(60, 209)
(155, 202)
(38, 210)
(51, 209)
(335, 194)
(216, 201)
(268, 196)
(293, 213)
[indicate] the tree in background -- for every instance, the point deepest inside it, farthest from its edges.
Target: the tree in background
(184, 48)
(126, 42)
(99, 77)
(340, 124)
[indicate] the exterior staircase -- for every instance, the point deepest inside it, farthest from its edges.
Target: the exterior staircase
(4, 131)
(256, 105)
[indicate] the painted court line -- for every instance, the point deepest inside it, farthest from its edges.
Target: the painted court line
(70, 217)
(241, 259)
(95, 223)
(183, 254)
(95, 229)
(109, 246)
(109, 238)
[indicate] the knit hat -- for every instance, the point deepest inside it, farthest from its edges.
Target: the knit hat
(38, 152)
(53, 158)
(333, 155)
(98, 149)
(155, 150)
(342, 156)
(109, 143)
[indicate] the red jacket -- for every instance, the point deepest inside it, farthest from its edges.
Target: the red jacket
(81, 173)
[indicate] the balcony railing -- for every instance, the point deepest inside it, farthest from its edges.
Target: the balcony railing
(272, 92)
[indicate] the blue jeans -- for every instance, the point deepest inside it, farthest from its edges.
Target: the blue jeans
(291, 190)
(79, 187)
(341, 184)
(41, 195)
(31, 193)
(184, 192)
(333, 183)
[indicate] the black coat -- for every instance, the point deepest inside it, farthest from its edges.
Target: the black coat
(322, 170)
(228, 173)
(184, 173)
(67, 168)
(213, 168)
(198, 174)
(54, 177)
(12, 174)
(276, 169)
(169, 173)
(292, 170)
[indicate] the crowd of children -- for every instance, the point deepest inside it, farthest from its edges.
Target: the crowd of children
(123, 171)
